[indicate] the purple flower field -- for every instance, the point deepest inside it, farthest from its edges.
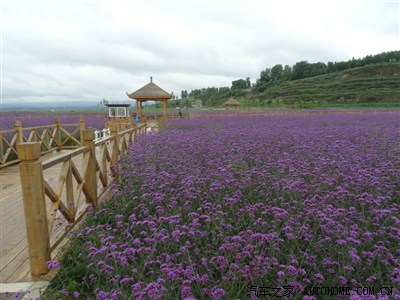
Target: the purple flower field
(217, 208)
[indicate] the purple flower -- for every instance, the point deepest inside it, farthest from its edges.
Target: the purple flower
(218, 293)
(342, 280)
(53, 264)
(186, 292)
(292, 270)
(319, 277)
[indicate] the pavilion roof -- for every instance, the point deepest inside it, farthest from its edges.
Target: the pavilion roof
(150, 91)
(232, 102)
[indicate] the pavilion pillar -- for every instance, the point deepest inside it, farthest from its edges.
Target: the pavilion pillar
(137, 108)
(141, 111)
(165, 110)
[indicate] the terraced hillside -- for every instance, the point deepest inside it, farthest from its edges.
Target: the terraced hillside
(378, 83)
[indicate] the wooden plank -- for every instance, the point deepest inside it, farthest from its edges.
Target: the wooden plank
(62, 178)
(51, 215)
(21, 258)
(12, 253)
(14, 230)
(69, 209)
(31, 135)
(61, 158)
(66, 212)
(89, 167)
(78, 195)
(8, 204)
(50, 192)
(75, 171)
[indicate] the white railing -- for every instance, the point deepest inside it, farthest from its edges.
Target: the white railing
(101, 134)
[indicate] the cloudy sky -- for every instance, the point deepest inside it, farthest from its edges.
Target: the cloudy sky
(60, 51)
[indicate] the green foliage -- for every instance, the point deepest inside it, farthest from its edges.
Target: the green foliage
(184, 94)
(276, 73)
(103, 103)
(374, 83)
(304, 69)
(373, 78)
(239, 84)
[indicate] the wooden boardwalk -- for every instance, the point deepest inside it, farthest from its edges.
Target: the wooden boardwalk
(70, 178)
(14, 263)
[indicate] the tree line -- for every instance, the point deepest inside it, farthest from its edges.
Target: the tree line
(213, 96)
(304, 69)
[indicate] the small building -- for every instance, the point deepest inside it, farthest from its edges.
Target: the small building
(231, 104)
(118, 111)
(150, 92)
(197, 104)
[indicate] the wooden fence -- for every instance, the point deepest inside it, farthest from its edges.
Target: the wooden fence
(50, 137)
(84, 179)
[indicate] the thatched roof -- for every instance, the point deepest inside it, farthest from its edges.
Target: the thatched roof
(232, 102)
(150, 91)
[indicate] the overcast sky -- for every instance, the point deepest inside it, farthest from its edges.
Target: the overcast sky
(62, 51)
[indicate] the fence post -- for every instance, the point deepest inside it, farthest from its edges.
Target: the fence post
(145, 127)
(81, 125)
(31, 174)
(115, 145)
(57, 134)
(1, 150)
(135, 133)
(90, 176)
(18, 130)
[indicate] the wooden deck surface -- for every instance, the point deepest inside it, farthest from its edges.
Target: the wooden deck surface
(14, 262)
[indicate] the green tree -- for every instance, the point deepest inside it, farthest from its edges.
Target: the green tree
(184, 94)
(248, 83)
(265, 76)
(286, 73)
(103, 103)
(300, 70)
(317, 69)
(276, 73)
(239, 84)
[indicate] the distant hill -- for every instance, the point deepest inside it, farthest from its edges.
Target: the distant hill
(373, 80)
(377, 83)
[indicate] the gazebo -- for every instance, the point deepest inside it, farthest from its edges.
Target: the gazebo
(153, 92)
(231, 103)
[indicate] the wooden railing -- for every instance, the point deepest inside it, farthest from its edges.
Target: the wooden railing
(83, 178)
(50, 137)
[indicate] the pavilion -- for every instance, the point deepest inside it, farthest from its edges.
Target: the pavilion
(231, 103)
(152, 92)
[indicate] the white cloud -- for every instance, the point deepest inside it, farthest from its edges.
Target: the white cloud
(90, 50)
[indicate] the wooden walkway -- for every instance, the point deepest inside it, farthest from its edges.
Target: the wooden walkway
(14, 263)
